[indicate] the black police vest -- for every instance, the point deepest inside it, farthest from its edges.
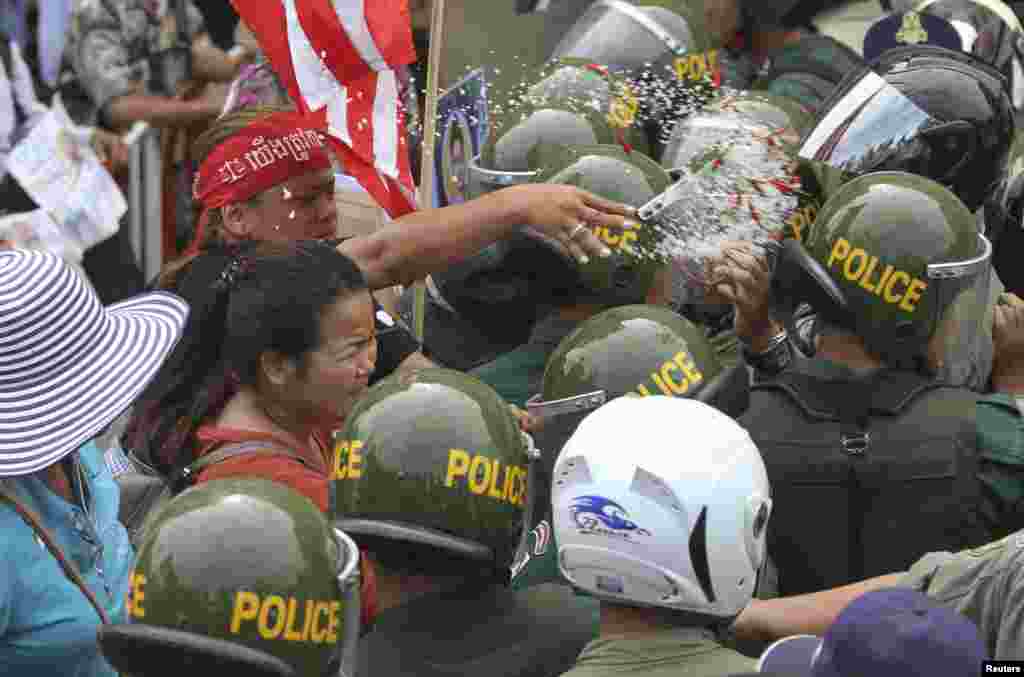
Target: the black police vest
(866, 476)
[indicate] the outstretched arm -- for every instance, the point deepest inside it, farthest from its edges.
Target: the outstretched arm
(430, 240)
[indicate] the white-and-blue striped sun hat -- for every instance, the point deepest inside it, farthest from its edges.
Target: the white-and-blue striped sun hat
(69, 366)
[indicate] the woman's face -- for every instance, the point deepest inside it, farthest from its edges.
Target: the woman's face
(337, 372)
(301, 208)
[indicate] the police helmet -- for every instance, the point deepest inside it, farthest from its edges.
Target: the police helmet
(542, 272)
(681, 528)
(924, 110)
(738, 178)
(434, 460)
(909, 270)
(570, 102)
(244, 573)
(637, 350)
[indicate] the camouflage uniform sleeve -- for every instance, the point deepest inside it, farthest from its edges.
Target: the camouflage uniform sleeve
(1000, 431)
(101, 58)
(985, 584)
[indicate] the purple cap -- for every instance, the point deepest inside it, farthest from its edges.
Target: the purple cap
(909, 28)
(886, 633)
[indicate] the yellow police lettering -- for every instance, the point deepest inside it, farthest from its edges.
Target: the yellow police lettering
(276, 604)
(622, 111)
(898, 276)
(660, 382)
(348, 460)
(617, 241)
(713, 61)
(485, 476)
(477, 482)
(290, 633)
(666, 375)
(857, 254)
(333, 618)
(664, 380)
(136, 595)
(696, 66)
(493, 491)
(308, 625)
(458, 466)
(508, 493)
(682, 68)
(247, 608)
(839, 251)
(689, 367)
(913, 295)
(277, 617)
(801, 219)
(894, 286)
(865, 280)
(883, 280)
(317, 634)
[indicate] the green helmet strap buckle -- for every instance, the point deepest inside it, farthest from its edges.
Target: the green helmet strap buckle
(536, 406)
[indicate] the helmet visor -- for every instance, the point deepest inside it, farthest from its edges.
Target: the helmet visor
(872, 126)
(617, 33)
(961, 348)
(343, 662)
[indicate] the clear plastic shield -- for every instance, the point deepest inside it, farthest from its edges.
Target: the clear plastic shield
(872, 126)
(961, 349)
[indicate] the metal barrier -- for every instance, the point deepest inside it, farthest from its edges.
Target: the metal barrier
(145, 202)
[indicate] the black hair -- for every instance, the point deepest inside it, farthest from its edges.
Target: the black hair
(245, 299)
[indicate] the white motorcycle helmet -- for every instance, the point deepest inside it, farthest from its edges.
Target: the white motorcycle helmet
(662, 502)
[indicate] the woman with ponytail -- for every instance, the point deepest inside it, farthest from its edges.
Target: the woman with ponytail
(279, 345)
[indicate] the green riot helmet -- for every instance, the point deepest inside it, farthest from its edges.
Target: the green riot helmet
(925, 110)
(434, 459)
(612, 173)
(638, 350)
(912, 268)
(669, 49)
(737, 178)
(635, 36)
(540, 272)
(247, 568)
(571, 102)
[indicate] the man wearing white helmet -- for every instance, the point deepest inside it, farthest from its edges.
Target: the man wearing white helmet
(670, 538)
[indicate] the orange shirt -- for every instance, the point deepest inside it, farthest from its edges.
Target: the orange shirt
(310, 479)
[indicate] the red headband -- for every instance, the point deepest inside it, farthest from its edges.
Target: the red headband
(263, 154)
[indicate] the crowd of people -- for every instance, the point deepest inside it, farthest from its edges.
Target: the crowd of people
(722, 370)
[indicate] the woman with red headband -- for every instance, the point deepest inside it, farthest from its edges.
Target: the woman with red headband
(272, 179)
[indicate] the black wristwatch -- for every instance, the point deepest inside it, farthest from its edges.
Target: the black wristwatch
(772, 360)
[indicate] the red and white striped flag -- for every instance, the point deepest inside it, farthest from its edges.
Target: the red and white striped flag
(338, 60)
